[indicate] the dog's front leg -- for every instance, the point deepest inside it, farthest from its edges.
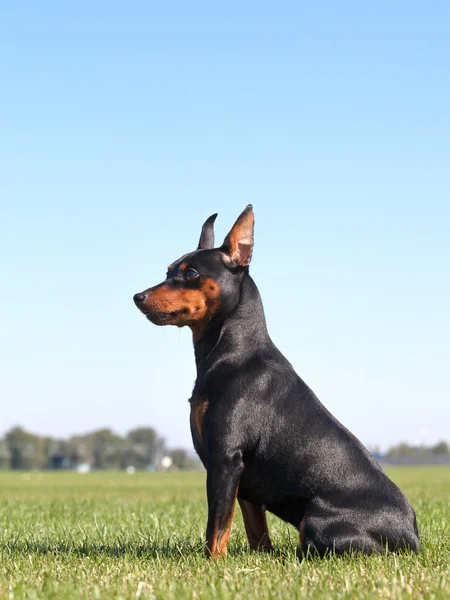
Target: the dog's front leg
(255, 523)
(222, 483)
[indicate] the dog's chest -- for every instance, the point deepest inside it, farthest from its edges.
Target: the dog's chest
(199, 406)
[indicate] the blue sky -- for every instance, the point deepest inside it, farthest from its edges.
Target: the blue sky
(124, 125)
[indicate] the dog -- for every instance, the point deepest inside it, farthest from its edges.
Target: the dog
(262, 434)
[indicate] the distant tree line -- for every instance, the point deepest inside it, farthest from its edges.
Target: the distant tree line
(404, 450)
(141, 448)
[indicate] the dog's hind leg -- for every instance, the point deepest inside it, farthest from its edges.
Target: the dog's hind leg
(326, 536)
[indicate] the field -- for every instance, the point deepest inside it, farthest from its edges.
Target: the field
(113, 535)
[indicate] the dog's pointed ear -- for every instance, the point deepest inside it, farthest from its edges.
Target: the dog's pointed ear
(238, 244)
(206, 241)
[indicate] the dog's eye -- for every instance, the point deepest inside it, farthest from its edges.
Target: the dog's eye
(191, 274)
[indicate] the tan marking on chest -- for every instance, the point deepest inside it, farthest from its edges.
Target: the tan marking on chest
(197, 413)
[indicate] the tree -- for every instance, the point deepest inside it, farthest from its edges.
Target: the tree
(102, 449)
(143, 448)
(25, 449)
(5, 455)
(79, 450)
(57, 453)
(401, 450)
(441, 448)
(181, 459)
(107, 449)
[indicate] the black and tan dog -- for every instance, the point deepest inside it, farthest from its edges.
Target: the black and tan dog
(262, 434)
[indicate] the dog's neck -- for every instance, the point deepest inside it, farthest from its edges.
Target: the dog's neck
(237, 336)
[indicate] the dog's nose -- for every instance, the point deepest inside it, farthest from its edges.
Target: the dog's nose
(139, 298)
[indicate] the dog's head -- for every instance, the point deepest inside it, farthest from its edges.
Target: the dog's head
(204, 285)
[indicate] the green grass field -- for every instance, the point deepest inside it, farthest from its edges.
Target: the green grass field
(113, 535)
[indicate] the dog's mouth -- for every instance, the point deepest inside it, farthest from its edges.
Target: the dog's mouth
(164, 318)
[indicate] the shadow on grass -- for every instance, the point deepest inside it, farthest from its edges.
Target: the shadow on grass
(175, 549)
(172, 549)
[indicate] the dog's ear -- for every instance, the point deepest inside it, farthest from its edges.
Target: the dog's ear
(238, 244)
(206, 241)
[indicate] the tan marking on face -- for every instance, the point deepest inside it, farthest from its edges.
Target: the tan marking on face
(166, 299)
(196, 307)
(210, 295)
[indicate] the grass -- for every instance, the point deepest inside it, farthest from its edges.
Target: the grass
(113, 535)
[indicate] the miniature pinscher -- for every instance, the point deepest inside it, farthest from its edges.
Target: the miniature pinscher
(263, 436)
